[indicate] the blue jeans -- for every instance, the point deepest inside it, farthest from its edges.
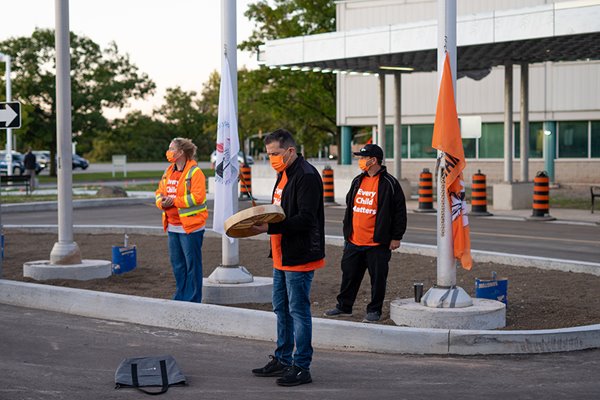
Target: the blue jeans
(185, 251)
(291, 304)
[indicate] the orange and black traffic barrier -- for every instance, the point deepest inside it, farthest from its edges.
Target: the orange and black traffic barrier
(245, 182)
(425, 192)
(328, 195)
(541, 197)
(479, 195)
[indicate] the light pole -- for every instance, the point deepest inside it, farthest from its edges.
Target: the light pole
(9, 146)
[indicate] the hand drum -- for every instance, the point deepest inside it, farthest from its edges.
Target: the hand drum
(239, 225)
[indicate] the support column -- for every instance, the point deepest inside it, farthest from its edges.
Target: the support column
(346, 145)
(508, 122)
(524, 122)
(398, 126)
(549, 148)
(381, 120)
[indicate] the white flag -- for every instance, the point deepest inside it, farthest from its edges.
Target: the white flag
(228, 146)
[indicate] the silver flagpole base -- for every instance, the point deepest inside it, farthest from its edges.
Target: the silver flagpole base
(230, 275)
(452, 297)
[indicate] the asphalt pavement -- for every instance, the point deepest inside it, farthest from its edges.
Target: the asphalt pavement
(48, 355)
(569, 240)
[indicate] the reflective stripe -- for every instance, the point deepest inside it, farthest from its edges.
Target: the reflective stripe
(189, 199)
(186, 212)
(188, 185)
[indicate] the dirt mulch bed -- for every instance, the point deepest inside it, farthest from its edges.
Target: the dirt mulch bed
(537, 299)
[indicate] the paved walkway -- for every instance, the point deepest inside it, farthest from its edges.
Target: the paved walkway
(47, 355)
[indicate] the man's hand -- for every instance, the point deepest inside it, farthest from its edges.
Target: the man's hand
(394, 244)
(259, 228)
(167, 202)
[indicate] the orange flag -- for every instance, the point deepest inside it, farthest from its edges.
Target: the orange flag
(446, 138)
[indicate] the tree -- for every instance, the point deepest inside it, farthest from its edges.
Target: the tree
(139, 136)
(100, 79)
(183, 114)
(302, 102)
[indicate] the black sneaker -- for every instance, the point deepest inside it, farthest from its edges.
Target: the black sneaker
(336, 312)
(372, 317)
(294, 376)
(273, 368)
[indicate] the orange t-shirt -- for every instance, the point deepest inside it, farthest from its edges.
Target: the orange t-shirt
(364, 212)
(172, 183)
(276, 252)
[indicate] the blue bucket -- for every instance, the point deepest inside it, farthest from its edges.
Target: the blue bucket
(124, 259)
(492, 288)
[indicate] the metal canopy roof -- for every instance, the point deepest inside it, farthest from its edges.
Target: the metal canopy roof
(556, 32)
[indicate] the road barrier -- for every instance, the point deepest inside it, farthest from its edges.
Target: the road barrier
(328, 194)
(541, 197)
(425, 192)
(245, 182)
(479, 195)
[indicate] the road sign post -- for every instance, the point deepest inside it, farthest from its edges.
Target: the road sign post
(10, 117)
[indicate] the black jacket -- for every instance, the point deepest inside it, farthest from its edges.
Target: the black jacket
(303, 229)
(29, 161)
(390, 220)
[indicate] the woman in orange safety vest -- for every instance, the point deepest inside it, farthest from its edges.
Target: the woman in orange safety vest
(181, 195)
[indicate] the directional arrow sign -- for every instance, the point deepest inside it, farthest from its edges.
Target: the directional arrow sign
(10, 115)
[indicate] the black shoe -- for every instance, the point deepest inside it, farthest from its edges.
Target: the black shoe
(294, 376)
(273, 368)
(336, 312)
(372, 317)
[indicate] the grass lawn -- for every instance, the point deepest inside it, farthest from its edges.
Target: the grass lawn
(107, 176)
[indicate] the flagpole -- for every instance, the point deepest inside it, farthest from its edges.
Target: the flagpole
(226, 203)
(446, 271)
(445, 294)
(230, 249)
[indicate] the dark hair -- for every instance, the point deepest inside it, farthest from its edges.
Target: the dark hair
(283, 137)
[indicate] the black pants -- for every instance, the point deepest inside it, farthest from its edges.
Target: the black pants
(355, 261)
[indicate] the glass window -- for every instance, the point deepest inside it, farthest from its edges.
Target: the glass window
(536, 140)
(491, 142)
(596, 139)
(573, 139)
(389, 141)
(470, 147)
(420, 141)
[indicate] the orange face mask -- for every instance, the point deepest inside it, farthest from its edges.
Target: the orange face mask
(170, 156)
(277, 162)
(363, 164)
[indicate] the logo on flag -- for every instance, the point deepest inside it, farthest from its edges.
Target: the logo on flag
(447, 139)
(228, 146)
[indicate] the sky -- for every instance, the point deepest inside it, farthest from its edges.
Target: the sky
(176, 42)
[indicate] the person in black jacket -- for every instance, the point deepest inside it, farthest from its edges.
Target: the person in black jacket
(297, 250)
(374, 223)
(29, 163)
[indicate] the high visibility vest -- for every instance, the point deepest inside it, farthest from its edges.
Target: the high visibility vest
(190, 200)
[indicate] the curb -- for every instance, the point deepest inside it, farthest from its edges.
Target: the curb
(261, 325)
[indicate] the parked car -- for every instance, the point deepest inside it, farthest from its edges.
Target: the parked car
(213, 158)
(80, 162)
(17, 167)
(17, 163)
(42, 157)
